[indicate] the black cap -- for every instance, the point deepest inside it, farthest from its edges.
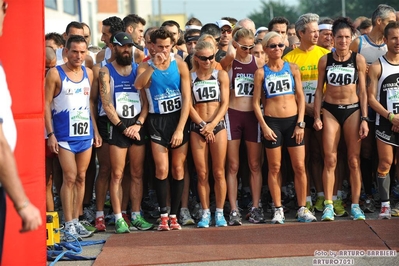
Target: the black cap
(121, 39)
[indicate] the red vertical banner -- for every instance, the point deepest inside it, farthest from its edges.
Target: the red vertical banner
(22, 56)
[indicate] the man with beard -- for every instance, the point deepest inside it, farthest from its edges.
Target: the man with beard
(127, 111)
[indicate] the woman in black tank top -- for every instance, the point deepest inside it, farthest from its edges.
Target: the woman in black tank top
(344, 107)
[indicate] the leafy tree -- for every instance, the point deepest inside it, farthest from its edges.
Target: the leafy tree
(333, 9)
(279, 9)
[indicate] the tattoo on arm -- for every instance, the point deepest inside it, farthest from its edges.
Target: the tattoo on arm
(106, 97)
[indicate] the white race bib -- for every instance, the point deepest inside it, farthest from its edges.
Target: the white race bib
(205, 91)
(79, 123)
(309, 89)
(167, 106)
(244, 87)
(127, 104)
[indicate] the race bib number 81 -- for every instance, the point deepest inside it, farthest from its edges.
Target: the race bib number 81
(127, 104)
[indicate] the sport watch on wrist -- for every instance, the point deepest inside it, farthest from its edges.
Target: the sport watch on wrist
(301, 124)
(138, 122)
(365, 118)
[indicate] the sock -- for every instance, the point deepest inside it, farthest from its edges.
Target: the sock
(134, 215)
(117, 216)
(385, 204)
(328, 202)
(320, 194)
(99, 214)
(309, 199)
(68, 225)
(339, 194)
(123, 212)
(176, 191)
(161, 187)
(75, 221)
(206, 212)
(383, 183)
(354, 205)
(334, 197)
(219, 210)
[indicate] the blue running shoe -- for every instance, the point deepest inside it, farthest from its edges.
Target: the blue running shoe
(220, 220)
(205, 220)
(328, 213)
(305, 216)
(357, 213)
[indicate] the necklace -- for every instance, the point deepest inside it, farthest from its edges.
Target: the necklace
(74, 71)
(371, 39)
(339, 57)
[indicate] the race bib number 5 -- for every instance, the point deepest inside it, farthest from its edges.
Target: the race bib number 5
(127, 104)
(244, 87)
(171, 105)
(79, 123)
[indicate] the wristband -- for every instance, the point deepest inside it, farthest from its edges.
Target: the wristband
(151, 64)
(202, 124)
(391, 116)
(50, 134)
(120, 126)
(23, 206)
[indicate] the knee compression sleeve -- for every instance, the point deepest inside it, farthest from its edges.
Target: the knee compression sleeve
(384, 181)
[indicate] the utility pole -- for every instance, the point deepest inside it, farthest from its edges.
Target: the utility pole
(343, 8)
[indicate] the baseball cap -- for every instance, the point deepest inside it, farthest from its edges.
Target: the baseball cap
(121, 39)
(261, 29)
(222, 23)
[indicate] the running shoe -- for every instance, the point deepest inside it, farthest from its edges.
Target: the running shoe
(163, 224)
(369, 205)
(71, 235)
(89, 214)
(395, 210)
(319, 205)
(310, 207)
(205, 220)
(328, 213)
(121, 226)
(82, 231)
(235, 218)
(185, 217)
(305, 216)
(278, 216)
(140, 224)
(220, 221)
(88, 226)
(256, 216)
(100, 224)
(339, 208)
(357, 213)
(174, 225)
(385, 213)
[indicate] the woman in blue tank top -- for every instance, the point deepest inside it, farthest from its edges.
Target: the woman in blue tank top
(278, 86)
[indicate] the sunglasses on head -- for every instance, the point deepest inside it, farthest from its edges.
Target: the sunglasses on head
(244, 47)
(228, 31)
(4, 7)
(274, 46)
(205, 58)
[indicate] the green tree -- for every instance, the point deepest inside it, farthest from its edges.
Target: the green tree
(333, 9)
(270, 9)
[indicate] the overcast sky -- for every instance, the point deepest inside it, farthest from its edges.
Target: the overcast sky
(212, 10)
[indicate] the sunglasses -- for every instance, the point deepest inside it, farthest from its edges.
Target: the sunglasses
(274, 46)
(4, 7)
(244, 47)
(228, 31)
(204, 58)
